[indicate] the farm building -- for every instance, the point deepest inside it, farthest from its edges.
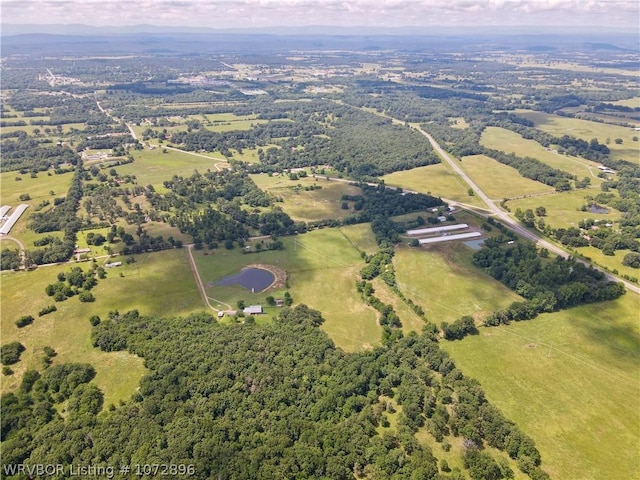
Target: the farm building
(113, 264)
(446, 238)
(220, 314)
(446, 228)
(253, 309)
(3, 211)
(11, 221)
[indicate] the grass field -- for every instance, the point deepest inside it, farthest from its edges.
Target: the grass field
(361, 237)
(586, 130)
(499, 181)
(39, 190)
(154, 167)
(611, 262)
(570, 380)
(308, 205)
(563, 209)
(437, 180)
(321, 267)
(509, 142)
(629, 102)
(144, 286)
(443, 281)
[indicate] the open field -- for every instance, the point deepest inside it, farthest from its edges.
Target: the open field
(629, 102)
(570, 380)
(308, 205)
(154, 167)
(437, 180)
(66, 128)
(361, 237)
(509, 142)
(499, 181)
(39, 190)
(586, 130)
(321, 267)
(612, 262)
(563, 209)
(443, 281)
(144, 286)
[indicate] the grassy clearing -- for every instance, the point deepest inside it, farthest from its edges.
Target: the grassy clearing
(570, 381)
(154, 167)
(509, 142)
(586, 130)
(611, 262)
(629, 102)
(321, 267)
(308, 205)
(443, 281)
(39, 189)
(144, 286)
(459, 123)
(234, 125)
(361, 237)
(563, 209)
(438, 180)
(498, 180)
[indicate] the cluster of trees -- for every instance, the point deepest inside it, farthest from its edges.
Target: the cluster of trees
(76, 282)
(547, 285)
(10, 354)
(10, 259)
(263, 401)
(28, 154)
(459, 329)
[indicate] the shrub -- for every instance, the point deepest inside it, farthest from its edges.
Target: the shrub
(24, 321)
(10, 353)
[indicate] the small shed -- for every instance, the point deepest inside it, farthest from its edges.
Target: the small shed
(220, 314)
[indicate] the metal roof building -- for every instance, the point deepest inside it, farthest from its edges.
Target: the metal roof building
(445, 228)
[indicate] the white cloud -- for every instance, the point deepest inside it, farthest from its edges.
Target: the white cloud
(238, 13)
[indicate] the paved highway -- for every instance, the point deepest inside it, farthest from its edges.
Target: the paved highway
(502, 215)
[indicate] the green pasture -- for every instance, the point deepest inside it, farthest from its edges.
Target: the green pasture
(438, 180)
(39, 190)
(308, 205)
(361, 237)
(586, 130)
(442, 279)
(321, 266)
(29, 129)
(563, 209)
(570, 380)
(509, 142)
(157, 284)
(612, 262)
(629, 102)
(154, 167)
(499, 181)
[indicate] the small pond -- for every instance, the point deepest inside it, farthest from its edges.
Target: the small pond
(594, 208)
(255, 279)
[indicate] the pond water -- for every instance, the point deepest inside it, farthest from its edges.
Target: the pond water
(249, 278)
(593, 208)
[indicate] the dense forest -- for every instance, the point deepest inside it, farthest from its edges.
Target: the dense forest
(261, 402)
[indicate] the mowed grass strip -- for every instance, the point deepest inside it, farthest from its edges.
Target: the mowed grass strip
(322, 266)
(499, 181)
(157, 284)
(586, 130)
(570, 380)
(438, 180)
(442, 279)
(308, 205)
(507, 141)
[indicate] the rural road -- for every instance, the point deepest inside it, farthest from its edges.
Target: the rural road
(196, 275)
(502, 215)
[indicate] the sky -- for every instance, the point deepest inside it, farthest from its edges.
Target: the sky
(270, 13)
